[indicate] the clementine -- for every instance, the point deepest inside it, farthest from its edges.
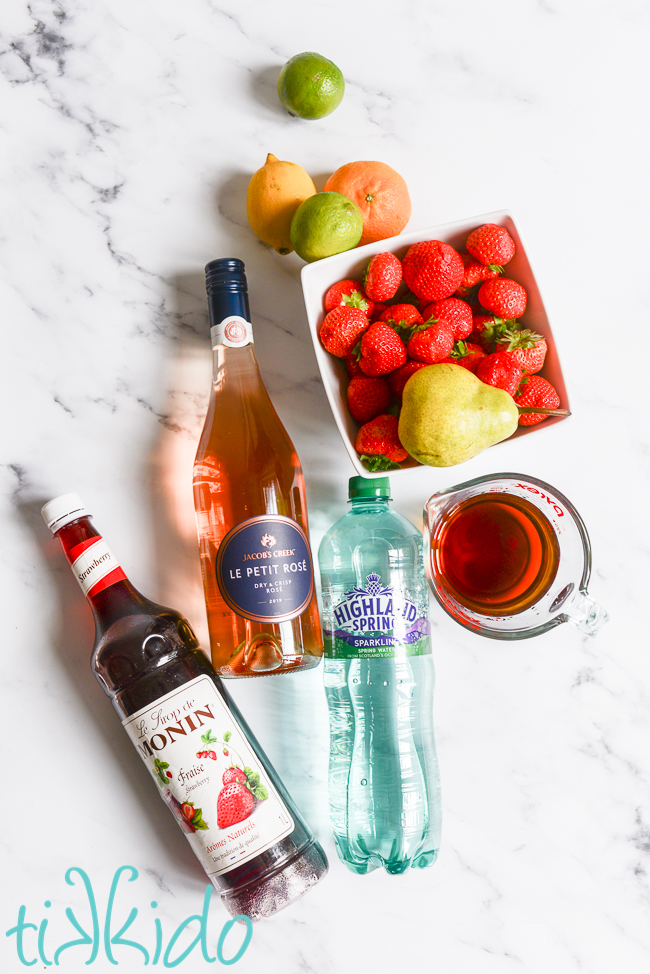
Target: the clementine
(380, 193)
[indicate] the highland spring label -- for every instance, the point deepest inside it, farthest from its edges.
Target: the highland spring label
(377, 621)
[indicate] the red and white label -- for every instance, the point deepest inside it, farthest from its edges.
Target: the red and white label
(209, 776)
(95, 566)
(234, 332)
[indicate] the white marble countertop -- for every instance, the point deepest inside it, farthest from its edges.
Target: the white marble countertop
(130, 133)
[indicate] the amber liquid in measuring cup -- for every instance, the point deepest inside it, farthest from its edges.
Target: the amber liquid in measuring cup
(496, 553)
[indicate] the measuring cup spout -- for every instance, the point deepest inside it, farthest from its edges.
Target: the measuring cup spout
(585, 614)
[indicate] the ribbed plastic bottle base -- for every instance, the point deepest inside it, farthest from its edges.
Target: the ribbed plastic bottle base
(263, 898)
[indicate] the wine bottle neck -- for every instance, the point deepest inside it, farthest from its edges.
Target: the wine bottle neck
(98, 572)
(230, 318)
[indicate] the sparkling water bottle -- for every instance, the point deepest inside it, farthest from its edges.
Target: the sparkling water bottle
(384, 783)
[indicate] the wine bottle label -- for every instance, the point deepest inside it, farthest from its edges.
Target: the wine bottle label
(232, 331)
(264, 569)
(95, 566)
(377, 622)
(209, 776)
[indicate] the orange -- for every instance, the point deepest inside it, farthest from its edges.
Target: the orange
(380, 193)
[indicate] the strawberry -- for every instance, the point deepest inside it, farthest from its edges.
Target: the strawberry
(378, 310)
(382, 350)
(432, 270)
(352, 365)
(341, 330)
(368, 396)
(466, 354)
(378, 443)
(233, 774)
(535, 391)
(234, 804)
(404, 315)
(500, 369)
(475, 273)
(383, 276)
(527, 348)
(431, 344)
(491, 244)
(488, 329)
(456, 313)
(398, 379)
(348, 294)
(503, 297)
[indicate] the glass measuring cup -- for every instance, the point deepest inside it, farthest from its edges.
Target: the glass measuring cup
(508, 556)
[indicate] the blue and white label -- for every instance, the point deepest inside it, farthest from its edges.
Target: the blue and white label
(264, 569)
(376, 621)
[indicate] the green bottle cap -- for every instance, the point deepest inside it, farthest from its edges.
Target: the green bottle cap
(368, 487)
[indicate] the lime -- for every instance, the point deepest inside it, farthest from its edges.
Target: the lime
(325, 224)
(310, 86)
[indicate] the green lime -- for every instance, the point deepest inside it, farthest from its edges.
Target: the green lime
(325, 224)
(310, 86)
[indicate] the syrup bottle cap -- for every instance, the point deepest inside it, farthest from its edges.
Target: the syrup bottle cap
(61, 510)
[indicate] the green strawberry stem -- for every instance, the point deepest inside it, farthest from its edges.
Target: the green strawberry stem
(542, 409)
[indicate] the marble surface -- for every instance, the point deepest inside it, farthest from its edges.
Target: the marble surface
(130, 131)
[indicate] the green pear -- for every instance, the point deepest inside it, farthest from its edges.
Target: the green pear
(448, 415)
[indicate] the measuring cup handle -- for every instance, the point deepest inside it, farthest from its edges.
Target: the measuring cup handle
(585, 614)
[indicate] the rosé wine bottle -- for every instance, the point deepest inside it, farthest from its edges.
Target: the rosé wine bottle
(200, 754)
(251, 510)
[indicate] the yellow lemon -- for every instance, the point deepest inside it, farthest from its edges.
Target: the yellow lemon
(274, 194)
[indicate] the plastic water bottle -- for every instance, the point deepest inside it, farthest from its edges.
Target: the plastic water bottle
(384, 784)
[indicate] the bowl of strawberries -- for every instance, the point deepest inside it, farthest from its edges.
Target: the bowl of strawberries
(464, 294)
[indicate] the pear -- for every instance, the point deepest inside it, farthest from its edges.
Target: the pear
(448, 415)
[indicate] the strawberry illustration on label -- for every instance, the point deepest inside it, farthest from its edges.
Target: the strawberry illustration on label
(242, 790)
(234, 803)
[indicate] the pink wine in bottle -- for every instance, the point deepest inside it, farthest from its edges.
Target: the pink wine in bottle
(251, 510)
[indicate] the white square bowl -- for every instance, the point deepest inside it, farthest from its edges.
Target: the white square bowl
(319, 276)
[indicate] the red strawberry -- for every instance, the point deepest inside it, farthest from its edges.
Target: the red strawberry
(491, 244)
(233, 774)
(382, 350)
(378, 310)
(378, 439)
(341, 330)
(368, 396)
(535, 391)
(500, 369)
(234, 804)
(432, 270)
(527, 348)
(383, 277)
(402, 314)
(466, 354)
(188, 811)
(488, 329)
(398, 379)
(431, 344)
(456, 313)
(503, 297)
(348, 294)
(475, 273)
(352, 365)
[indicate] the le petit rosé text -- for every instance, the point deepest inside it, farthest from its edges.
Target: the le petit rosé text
(33, 942)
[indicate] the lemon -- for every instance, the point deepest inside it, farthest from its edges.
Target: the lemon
(310, 86)
(325, 224)
(274, 194)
